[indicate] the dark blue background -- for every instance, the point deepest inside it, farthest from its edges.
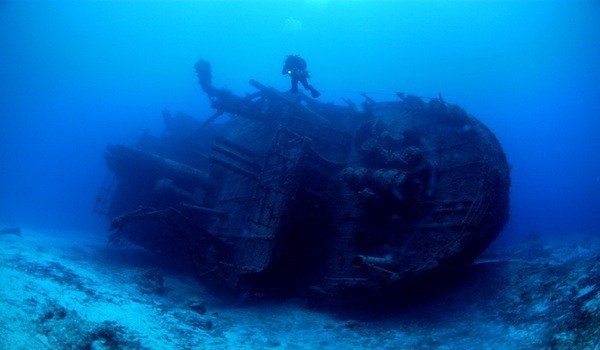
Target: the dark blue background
(78, 75)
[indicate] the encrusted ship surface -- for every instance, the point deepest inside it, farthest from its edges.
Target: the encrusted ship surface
(290, 194)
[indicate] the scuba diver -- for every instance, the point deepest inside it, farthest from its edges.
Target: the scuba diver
(295, 67)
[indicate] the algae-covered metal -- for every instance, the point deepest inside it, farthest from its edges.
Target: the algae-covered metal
(293, 194)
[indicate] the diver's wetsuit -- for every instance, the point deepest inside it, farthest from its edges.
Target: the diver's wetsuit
(295, 67)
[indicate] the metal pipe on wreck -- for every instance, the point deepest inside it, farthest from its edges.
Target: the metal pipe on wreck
(238, 148)
(271, 92)
(128, 161)
(235, 156)
(233, 167)
(205, 211)
(365, 260)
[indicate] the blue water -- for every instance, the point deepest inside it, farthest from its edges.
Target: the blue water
(78, 75)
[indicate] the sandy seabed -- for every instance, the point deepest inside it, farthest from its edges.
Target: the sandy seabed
(70, 290)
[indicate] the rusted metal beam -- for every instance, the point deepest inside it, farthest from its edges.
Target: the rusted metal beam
(236, 147)
(235, 156)
(271, 92)
(233, 167)
(205, 211)
(128, 161)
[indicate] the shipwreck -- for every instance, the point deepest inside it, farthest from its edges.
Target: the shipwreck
(291, 194)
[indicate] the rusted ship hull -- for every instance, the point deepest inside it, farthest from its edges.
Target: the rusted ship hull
(292, 194)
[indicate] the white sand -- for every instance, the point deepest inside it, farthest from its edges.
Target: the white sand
(81, 275)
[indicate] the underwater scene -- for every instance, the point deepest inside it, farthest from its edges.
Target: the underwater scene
(308, 174)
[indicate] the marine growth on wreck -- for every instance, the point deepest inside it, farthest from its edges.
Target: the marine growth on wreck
(290, 194)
